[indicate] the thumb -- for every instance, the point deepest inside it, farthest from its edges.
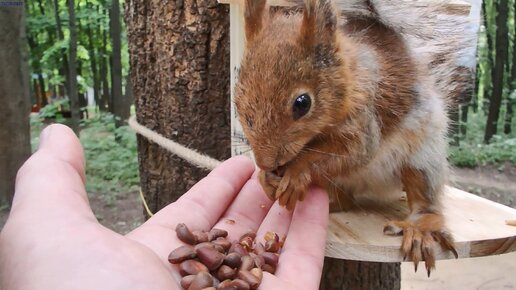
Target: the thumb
(62, 143)
(51, 182)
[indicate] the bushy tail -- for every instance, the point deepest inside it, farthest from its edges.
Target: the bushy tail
(440, 36)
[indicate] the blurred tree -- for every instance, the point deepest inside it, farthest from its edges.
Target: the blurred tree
(72, 69)
(14, 97)
(120, 104)
(93, 54)
(501, 46)
(105, 102)
(511, 101)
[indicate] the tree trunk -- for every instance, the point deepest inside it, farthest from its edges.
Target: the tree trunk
(105, 106)
(498, 71)
(72, 70)
(464, 120)
(120, 103)
(93, 66)
(507, 128)
(43, 102)
(489, 60)
(179, 55)
(82, 96)
(355, 275)
(476, 90)
(14, 97)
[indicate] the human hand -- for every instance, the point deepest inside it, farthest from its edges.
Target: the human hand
(53, 241)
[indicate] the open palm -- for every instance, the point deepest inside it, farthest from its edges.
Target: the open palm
(52, 239)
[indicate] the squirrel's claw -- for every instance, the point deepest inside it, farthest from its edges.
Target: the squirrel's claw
(270, 183)
(293, 186)
(422, 238)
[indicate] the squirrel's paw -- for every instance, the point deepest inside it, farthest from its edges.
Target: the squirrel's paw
(422, 235)
(269, 182)
(293, 187)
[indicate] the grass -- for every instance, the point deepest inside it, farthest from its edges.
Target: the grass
(110, 153)
(473, 152)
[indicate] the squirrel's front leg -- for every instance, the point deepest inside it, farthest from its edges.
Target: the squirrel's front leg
(288, 184)
(294, 184)
(424, 229)
(270, 182)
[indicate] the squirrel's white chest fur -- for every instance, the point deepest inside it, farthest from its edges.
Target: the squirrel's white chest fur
(426, 124)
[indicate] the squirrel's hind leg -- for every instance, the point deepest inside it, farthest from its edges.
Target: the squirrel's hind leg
(424, 230)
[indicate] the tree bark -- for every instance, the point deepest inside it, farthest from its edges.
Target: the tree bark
(14, 96)
(489, 61)
(179, 55)
(464, 120)
(498, 71)
(60, 35)
(105, 105)
(356, 275)
(72, 70)
(507, 129)
(43, 102)
(120, 104)
(93, 65)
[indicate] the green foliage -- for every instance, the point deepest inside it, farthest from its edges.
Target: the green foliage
(111, 155)
(54, 110)
(46, 52)
(473, 152)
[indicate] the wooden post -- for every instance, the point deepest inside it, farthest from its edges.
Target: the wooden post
(236, 35)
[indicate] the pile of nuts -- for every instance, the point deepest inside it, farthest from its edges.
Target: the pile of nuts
(211, 262)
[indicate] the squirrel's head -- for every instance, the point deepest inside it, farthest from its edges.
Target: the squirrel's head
(293, 79)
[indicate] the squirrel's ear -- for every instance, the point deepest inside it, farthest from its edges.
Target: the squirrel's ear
(254, 13)
(319, 22)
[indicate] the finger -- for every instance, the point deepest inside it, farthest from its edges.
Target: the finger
(277, 221)
(304, 248)
(51, 182)
(200, 208)
(247, 211)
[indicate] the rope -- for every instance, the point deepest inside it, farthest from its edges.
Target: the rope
(190, 155)
(142, 197)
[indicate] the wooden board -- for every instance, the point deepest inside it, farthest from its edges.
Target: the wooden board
(456, 7)
(477, 224)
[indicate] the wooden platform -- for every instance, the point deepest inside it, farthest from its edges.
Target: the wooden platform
(477, 224)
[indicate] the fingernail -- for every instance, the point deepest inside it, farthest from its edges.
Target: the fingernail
(45, 134)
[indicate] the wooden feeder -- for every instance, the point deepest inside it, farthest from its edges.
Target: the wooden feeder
(480, 227)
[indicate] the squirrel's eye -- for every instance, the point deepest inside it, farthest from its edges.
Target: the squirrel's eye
(301, 106)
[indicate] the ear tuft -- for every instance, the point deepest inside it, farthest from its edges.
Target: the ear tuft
(319, 22)
(254, 13)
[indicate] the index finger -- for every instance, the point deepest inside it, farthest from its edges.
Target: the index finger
(306, 239)
(200, 208)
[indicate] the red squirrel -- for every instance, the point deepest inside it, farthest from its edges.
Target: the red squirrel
(351, 104)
